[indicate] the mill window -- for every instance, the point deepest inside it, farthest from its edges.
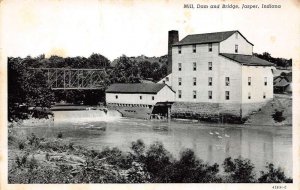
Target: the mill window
(226, 95)
(209, 94)
(210, 47)
(194, 48)
(117, 97)
(249, 95)
(179, 93)
(266, 81)
(179, 49)
(194, 94)
(179, 66)
(249, 81)
(209, 81)
(194, 81)
(194, 66)
(227, 81)
(236, 48)
(209, 66)
(179, 81)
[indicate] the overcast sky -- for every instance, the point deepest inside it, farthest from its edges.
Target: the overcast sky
(79, 28)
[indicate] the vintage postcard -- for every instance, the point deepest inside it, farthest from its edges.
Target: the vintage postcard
(149, 94)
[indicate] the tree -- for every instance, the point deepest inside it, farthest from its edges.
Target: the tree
(56, 62)
(157, 158)
(190, 169)
(125, 71)
(26, 88)
(273, 175)
(239, 170)
(279, 62)
(98, 61)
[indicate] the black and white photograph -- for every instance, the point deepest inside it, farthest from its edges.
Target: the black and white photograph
(160, 94)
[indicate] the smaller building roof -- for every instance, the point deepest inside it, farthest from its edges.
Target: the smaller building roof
(135, 88)
(282, 83)
(205, 38)
(248, 60)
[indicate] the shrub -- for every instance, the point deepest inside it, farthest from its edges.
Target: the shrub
(190, 169)
(34, 140)
(138, 148)
(156, 159)
(32, 163)
(278, 116)
(47, 156)
(21, 145)
(71, 146)
(273, 175)
(59, 135)
(239, 170)
(21, 160)
(138, 174)
(115, 156)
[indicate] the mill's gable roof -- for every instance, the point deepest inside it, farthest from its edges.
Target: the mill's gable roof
(248, 60)
(135, 88)
(215, 37)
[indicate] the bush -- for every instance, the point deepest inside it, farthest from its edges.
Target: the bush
(273, 175)
(59, 135)
(34, 140)
(190, 169)
(239, 170)
(157, 158)
(21, 161)
(138, 149)
(278, 116)
(138, 174)
(21, 145)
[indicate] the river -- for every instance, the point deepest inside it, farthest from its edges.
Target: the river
(211, 142)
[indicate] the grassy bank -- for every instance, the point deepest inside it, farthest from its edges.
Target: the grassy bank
(277, 112)
(37, 160)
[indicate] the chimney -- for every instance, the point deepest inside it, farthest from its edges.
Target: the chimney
(173, 38)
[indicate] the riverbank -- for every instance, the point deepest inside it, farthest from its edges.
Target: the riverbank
(33, 159)
(31, 122)
(282, 104)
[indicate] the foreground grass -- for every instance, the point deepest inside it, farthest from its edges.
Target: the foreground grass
(37, 160)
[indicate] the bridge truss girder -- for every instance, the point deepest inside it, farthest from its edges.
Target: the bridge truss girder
(74, 79)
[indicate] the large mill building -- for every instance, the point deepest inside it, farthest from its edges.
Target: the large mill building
(217, 73)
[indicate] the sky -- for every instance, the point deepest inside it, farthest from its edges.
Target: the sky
(132, 27)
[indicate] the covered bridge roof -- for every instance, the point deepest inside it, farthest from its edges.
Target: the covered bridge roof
(207, 38)
(249, 60)
(135, 88)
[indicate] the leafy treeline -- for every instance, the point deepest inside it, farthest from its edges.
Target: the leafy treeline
(153, 164)
(132, 70)
(29, 89)
(25, 90)
(279, 62)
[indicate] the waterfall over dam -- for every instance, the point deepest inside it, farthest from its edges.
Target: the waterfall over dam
(81, 116)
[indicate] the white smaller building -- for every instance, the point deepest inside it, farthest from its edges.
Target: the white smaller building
(145, 94)
(139, 100)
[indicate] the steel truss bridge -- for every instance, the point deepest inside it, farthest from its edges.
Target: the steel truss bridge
(74, 79)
